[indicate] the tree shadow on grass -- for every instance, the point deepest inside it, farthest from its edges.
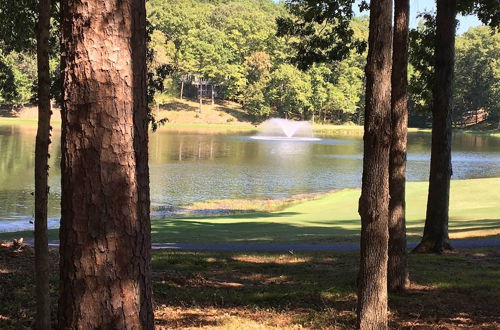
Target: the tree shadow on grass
(455, 290)
(269, 228)
(178, 106)
(320, 287)
(236, 113)
(464, 225)
(460, 226)
(272, 228)
(192, 289)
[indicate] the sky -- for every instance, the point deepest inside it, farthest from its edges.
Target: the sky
(417, 6)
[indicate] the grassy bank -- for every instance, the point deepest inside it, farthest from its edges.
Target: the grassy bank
(184, 115)
(330, 129)
(474, 212)
(208, 290)
(247, 126)
(23, 121)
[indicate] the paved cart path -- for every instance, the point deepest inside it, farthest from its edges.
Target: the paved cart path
(457, 244)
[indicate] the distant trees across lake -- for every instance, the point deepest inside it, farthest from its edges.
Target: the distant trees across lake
(234, 45)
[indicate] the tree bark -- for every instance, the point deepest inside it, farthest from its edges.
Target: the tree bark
(435, 237)
(397, 270)
(374, 201)
(42, 320)
(105, 267)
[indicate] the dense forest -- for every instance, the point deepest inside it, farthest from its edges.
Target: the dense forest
(233, 46)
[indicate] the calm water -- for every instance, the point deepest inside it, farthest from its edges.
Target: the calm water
(188, 167)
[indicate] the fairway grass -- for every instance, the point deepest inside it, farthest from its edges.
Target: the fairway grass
(332, 218)
(474, 212)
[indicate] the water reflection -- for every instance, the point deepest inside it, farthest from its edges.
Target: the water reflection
(16, 173)
(188, 167)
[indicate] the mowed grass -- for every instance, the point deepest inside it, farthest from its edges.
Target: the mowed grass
(333, 218)
(474, 212)
(306, 290)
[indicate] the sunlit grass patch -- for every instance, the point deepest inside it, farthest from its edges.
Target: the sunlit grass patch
(223, 318)
(281, 259)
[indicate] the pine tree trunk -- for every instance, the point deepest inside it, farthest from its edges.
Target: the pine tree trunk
(105, 271)
(435, 237)
(374, 201)
(397, 271)
(42, 320)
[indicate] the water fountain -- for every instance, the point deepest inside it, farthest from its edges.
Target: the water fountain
(287, 130)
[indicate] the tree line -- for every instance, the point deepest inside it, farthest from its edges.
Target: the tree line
(248, 49)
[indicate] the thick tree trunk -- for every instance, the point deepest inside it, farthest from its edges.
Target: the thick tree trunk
(42, 320)
(105, 280)
(374, 201)
(435, 237)
(397, 271)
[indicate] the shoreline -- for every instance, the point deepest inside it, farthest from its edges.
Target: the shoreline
(324, 218)
(184, 115)
(321, 129)
(210, 208)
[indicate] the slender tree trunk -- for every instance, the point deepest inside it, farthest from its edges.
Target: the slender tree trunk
(141, 143)
(42, 272)
(435, 237)
(397, 271)
(105, 272)
(182, 88)
(374, 201)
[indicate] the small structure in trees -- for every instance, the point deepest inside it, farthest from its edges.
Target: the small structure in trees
(470, 118)
(200, 88)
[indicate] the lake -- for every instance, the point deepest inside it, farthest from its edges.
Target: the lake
(186, 167)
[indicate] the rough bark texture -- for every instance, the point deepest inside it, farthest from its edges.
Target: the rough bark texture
(42, 320)
(397, 271)
(105, 234)
(435, 237)
(374, 201)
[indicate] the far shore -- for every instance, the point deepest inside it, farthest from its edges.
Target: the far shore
(184, 115)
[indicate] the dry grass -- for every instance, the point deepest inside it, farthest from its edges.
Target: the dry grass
(187, 111)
